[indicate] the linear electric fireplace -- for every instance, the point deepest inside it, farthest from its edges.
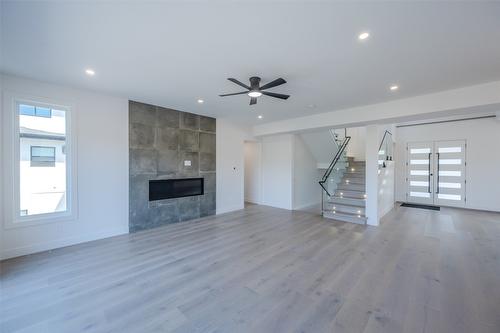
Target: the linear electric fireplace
(175, 188)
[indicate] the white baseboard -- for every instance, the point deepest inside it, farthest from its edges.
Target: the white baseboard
(386, 211)
(306, 205)
(51, 245)
(228, 209)
(252, 201)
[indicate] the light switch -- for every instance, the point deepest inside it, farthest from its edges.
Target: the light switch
(187, 163)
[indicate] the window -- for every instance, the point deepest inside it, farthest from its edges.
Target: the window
(43, 156)
(37, 111)
(43, 181)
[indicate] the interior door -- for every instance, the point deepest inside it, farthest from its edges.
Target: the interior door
(419, 165)
(450, 165)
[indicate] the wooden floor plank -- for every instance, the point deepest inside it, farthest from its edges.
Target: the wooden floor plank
(264, 269)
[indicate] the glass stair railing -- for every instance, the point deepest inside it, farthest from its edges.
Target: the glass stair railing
(335, 171)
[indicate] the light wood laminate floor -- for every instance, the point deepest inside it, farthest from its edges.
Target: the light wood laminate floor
(268, 270)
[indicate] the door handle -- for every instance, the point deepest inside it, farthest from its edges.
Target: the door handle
(430, 174)
(437, 182)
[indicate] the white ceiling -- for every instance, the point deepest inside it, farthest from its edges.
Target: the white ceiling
(172, 53)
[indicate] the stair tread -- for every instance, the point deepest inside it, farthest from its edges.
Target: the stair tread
(346, 214)
(346, 197)
(351, 185)
(344, 204)
(360, 191)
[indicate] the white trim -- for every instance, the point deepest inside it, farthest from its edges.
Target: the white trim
(311, 204)
(11, 197)
(229, 209)
(45, 246)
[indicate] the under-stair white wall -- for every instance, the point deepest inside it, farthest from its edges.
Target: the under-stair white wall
(482, 156)
(306, 190)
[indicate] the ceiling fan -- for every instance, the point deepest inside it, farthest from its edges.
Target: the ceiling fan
(255, 90)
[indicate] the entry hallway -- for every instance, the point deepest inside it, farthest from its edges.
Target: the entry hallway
(268, 270)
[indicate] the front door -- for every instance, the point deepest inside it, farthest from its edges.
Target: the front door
(450, 173)
(436, 173)
(420, 173)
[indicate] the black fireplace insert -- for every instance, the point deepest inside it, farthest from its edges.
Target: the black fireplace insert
(175, 188)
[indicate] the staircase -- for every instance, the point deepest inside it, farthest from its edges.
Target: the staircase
(347, 203)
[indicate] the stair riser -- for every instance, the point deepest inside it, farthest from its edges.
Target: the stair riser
(351, 187)
(347, 193)
(360, 171)
(339, 208)
(348, 201)
(344, 218)
(355, 174)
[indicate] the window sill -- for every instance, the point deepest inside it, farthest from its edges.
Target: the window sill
(40, 219)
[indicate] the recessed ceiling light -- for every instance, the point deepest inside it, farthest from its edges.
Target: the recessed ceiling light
(259, 116)
(254, 93)
(363, 35)
(394, 88)
(200, 101)
(90, 72)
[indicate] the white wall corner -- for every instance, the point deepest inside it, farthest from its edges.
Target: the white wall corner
(371, 156)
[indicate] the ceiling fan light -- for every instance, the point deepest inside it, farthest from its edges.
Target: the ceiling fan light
(254, 93)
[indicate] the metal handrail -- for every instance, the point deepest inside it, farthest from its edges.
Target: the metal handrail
(383, 138)
(336, 158)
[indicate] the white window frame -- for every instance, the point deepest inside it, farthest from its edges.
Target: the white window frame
(13, 218)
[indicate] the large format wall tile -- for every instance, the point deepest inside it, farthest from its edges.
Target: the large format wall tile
(190, 121)
(167, 144)
(207, 124)
(167, 138)
(189, 140)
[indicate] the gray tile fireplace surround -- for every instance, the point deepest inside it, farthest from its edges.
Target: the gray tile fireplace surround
(161, 142)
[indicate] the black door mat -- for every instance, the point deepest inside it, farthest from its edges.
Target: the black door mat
(420, 206)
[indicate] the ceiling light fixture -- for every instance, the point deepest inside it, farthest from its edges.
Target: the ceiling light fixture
(90, 72)
(259, 116)
(254, 93)
(200, 101)
(363, 35)
(394, 88)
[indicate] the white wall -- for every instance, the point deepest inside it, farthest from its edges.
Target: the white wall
(357, 144)
(372, 177)
(386, 186)
(321, 146)
(482, 155)
(102, 169)
(277, 171)
(230, 166)
(306, 190)
(387, 177)
(253, 174)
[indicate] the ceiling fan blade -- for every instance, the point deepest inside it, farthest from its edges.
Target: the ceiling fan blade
(239, 83)
(275, 95)
(272, 84)
(238, 93)
(253, 100)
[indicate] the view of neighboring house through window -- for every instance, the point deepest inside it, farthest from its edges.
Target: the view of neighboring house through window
(43, 160)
